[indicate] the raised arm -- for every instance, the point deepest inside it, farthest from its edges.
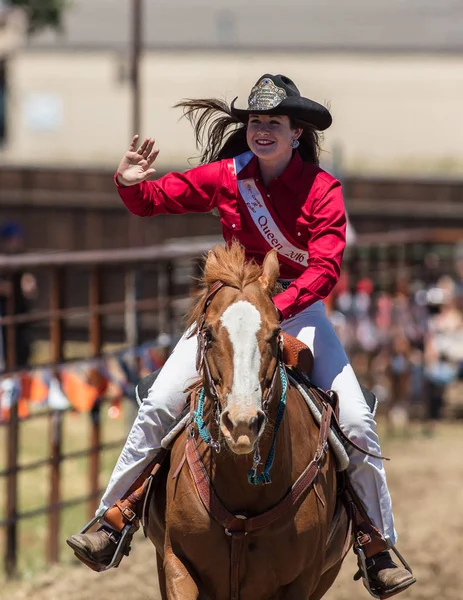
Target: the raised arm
(175, 193)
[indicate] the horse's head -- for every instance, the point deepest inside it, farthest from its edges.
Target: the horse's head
(239, 338)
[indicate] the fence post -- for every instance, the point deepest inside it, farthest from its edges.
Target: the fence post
(94, 456)
(56, 339)
(12, 452)
(170, 276)
(56, 438)
(95, 322)
(10, 330)
(162, 323)
(132, 330)
(56, 322)
(12, 493)
(96, 342)
(131, 315)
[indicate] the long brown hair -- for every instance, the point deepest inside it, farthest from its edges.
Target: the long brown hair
(219, 134)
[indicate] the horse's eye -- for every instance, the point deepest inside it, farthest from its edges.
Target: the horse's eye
(273, 335)
(208, 335)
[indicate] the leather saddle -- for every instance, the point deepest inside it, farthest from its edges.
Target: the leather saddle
(296, 354)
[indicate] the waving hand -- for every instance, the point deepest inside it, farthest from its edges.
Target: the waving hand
(135, 165)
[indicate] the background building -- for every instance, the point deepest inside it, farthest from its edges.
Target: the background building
(391, 72)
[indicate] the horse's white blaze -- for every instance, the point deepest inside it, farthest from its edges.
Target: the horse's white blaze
(242, 322)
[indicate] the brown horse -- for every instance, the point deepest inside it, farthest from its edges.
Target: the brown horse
(218, 536)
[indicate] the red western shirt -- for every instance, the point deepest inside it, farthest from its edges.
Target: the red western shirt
(305, 202)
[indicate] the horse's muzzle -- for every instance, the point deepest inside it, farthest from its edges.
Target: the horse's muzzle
(242, 428)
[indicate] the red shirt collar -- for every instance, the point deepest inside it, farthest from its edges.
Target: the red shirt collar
(290, 176)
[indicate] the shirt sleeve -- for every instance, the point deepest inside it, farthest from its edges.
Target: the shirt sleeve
(327, 240)
(174, 193)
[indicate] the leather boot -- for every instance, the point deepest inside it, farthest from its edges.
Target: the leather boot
(97, 549)
(105, 548)
(386, 579)
(381, 576)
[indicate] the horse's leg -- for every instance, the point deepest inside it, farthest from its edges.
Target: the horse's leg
(298, 589)
(161, 576)
(180, 585)
(326, 581)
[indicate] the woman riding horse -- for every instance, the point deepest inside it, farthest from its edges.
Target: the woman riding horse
(260, 171)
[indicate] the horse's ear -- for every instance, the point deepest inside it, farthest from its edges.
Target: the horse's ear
(270, 271)
(210, 264)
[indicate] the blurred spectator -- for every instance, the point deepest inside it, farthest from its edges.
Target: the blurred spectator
(459, 281)
(443, 349)
(340, 308)
(367, 343)
(21, 288)
(431, 269)
(383, 317)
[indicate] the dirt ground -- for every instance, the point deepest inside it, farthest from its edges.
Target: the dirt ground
(426, 481)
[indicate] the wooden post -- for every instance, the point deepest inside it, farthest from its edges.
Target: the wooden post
(94, 461)
(170, 270)
(96, 340)
(56, 322)
(132, 330)
(162, 322)
(136, 49)
(10, 346)
(95, 322)
(12, 452)
(56, 438)
(56, 340)
(131, 316)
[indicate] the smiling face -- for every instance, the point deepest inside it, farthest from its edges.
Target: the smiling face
(270, 136)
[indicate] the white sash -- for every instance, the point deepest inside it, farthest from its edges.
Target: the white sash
(264, 220)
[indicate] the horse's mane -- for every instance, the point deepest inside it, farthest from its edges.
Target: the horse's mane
(227, 264)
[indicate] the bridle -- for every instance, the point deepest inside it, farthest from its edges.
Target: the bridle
(203, 368)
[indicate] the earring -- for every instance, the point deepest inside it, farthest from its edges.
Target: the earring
(294, 143)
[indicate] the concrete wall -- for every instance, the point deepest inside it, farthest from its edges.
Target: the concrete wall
(393, 114)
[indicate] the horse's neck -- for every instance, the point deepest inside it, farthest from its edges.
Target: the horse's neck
(229, 473)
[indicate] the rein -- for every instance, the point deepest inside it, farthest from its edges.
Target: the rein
(264, 477)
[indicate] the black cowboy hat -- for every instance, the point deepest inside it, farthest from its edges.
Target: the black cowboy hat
(278, 95)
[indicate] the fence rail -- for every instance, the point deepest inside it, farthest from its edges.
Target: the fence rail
(169, 270)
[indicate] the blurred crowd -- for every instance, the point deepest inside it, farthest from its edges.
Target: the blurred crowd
(405, 342)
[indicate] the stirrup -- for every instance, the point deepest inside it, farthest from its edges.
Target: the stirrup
(119, 551)
(363, 571)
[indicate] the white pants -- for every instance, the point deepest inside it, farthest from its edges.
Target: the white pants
(331, 370)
